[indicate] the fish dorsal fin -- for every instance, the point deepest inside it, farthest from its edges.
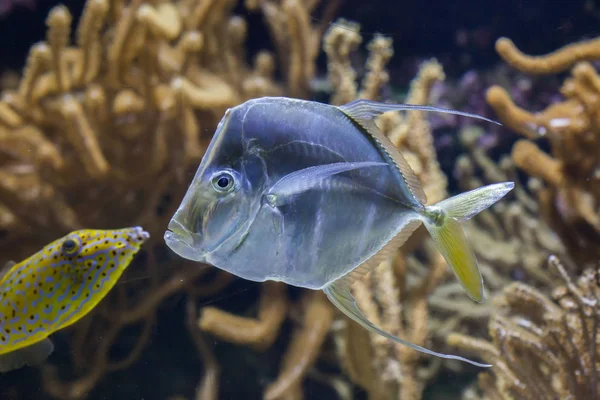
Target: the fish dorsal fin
(386, 251)
(339, 294)
(367, 109)
(7, 267)
(34, 354)
(364, 111)
(365, 120)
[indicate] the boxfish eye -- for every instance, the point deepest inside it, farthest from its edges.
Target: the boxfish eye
(222, 182)
(70, 247)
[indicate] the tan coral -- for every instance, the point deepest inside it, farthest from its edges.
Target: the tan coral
(572, 198)
(396, 304)
(509, 239)
(92, 143)
(542, 349)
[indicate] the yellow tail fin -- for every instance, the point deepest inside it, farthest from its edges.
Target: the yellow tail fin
(442, 220)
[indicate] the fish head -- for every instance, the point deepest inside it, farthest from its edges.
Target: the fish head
(221, 198)
(88, 248)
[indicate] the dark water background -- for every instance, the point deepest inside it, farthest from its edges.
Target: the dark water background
(419, 28)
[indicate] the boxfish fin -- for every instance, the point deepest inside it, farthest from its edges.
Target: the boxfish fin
(450, 238)
(362, 114)
(339, 294)
(308, 178)
(7, 267)
(34, 354)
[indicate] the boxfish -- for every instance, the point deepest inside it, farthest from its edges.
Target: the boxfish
(56, 287)
(315, 195)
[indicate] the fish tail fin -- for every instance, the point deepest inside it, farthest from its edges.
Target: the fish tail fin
(442, 220)
(339, 294)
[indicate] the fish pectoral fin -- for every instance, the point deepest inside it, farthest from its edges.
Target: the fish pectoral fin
(308, 178)
(7, 267)
(339, 294)
(34, 354)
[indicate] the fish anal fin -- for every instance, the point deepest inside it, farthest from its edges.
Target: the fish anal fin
(34, 354)
(339, 294)
(362, 116)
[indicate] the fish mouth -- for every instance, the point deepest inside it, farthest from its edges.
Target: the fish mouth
(182, 242)
(138, 234)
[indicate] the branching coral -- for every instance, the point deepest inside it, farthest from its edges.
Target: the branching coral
(85, 135)
(389, 296)
(542, 349)
(509, 240)
(571, 171)
(297, 41)
(105, 132)
(393, 301)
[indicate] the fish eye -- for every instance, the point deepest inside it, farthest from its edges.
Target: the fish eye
(70, 247)
(222, 182)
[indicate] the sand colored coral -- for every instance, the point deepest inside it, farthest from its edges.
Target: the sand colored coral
(104, 131)
(572, 127)
(542, 348)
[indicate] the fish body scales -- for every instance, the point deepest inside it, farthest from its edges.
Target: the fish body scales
(61, 283)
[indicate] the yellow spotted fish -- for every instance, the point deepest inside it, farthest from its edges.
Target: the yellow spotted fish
(56, 287)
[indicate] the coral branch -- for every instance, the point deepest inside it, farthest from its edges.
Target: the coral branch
(259, 333)
(552, 63)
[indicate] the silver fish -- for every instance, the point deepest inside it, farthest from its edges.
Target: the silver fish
(315, 195)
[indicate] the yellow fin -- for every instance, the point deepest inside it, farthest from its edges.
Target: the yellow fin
(34, 354)
(449, 236)
(452, 242)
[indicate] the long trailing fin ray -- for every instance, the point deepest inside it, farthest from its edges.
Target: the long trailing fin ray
(341, 297)
(365, 121)
(307, 178)
(466, 205)
(454, 246)
(31, 355)
(367, 109)
(387, 250)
